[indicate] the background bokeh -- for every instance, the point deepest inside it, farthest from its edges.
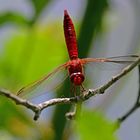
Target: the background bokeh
(32, 44)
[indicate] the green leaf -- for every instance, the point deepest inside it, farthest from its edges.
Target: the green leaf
(39, 5)
(31, 54)
(91, 25)
(11, 115)
(13, 17)
(94, 126)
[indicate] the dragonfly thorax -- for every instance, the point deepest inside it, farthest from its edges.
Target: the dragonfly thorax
(76, 71)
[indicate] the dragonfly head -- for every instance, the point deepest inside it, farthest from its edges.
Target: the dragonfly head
(77, 78)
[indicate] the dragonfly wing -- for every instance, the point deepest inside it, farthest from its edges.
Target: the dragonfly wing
(123, 59)
(99, 70)
(111, 63)
(118, 59)
(45, 84)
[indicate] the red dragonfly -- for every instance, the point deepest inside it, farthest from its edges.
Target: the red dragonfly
(75, 65)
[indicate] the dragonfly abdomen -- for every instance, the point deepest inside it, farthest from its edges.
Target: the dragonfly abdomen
(70, 36)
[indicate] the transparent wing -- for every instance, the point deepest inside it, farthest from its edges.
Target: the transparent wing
(45, 84)
(99, 70)
(118, 59)
(111, 63)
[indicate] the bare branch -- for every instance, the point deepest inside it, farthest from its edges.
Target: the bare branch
(134, 107)
(37, 108)
(113, 80)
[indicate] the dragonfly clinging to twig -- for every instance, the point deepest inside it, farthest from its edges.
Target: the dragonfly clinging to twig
(75, 66)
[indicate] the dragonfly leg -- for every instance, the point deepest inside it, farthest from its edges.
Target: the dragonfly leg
(73, 90)
(82, 88)
(76, 90)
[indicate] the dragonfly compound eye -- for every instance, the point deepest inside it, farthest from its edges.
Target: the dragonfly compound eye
(77, 78)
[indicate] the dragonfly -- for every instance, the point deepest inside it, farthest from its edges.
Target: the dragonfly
(75, 65)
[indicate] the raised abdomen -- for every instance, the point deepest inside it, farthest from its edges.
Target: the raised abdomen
(70, 36)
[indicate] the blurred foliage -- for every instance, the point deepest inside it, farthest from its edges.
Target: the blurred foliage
(13, 17)
(21, 57)
(94, 126)
(20, 65)
(39, 6)
(16, 124)
(34, 51)
(91, 24)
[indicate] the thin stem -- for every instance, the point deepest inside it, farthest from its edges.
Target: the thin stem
(133, 109)
(135, 106)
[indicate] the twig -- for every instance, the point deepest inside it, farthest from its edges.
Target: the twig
(134, 107)
(37, 108)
